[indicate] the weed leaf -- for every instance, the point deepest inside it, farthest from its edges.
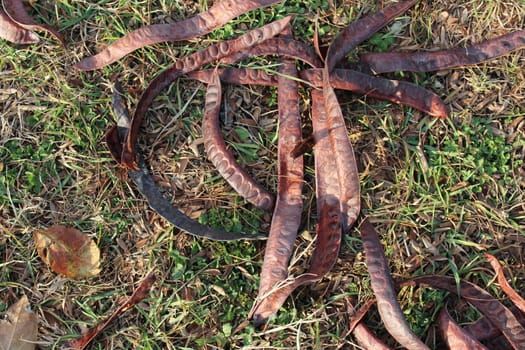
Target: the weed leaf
(18, 331)
(68, 251)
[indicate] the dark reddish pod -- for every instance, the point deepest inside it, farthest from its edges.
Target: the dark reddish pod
(366, 339)
(282, 47)
(223, 160)
(138, 295)
(239, 76)
(147, 186)
(329, 227)
(505, 286)
(454, 335)
(11, 31)
(395, 91)
(499, 315)
(17, 26)
(360, 30)
(343, 154)
(219, 14)
(383, 287)
(289, 202)
(186, 65)
(385, 62)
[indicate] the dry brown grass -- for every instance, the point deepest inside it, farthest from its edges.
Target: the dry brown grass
(436, 213)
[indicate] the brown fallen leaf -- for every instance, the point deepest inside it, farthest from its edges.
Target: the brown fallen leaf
(68, 251)
(18, 331)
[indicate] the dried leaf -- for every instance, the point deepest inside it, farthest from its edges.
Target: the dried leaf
(19, 329)
(68, 251)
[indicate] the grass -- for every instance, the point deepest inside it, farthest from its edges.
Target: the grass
(440, 192)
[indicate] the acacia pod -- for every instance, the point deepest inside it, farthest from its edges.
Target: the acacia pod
(345, 79)
(499, 315)
(328, 211)
(366, 339)
(454, 335)
(289, 202)
(383, 287)
(186, 65)
(146, 184)
(505, 286)
(238, 76)
(11, 31)
(385, 89)
(360, 30)
(343, 153)
(282, 47)
(223, 160)
(328, 192)
(219, 14)
(401, 92)
(384, 62)
(483, 329)
(16, 12)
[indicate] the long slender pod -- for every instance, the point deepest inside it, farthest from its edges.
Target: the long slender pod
(384, 62)
(454, 335)
(146, 184)
(219, 14)
(385, 89)
(343, 152)
(383, 287)
(11, 31)
(328, 211)
(366, 339)
(360, 30)
(289, 202)
(188, 64)
(223, 160)
(239, 76)
(499, 315)
(483, 329)
(17, 13)
(505, 286)
(283, 47)
(401, 92)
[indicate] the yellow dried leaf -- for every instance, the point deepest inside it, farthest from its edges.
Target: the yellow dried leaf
(18, 331)
(68, 251)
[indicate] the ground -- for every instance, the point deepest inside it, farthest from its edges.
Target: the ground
(440, 192)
